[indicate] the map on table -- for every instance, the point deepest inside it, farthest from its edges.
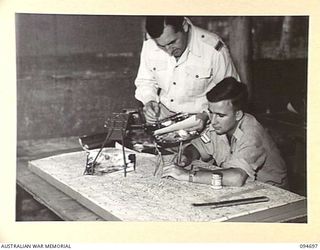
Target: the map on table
(143, 196)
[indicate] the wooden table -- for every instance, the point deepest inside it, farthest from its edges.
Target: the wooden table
(70, 209)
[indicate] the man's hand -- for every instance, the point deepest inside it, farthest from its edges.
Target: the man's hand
(202, 120)
(154, 111)
(184, 161)
(189, 154)
(151, 111)
(177, 173)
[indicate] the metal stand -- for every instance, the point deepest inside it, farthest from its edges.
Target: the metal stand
(116, 128)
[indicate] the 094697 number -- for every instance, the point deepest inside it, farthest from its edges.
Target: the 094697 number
(308, 246)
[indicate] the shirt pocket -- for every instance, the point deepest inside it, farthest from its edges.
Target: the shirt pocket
(198, 79)
(159, 69)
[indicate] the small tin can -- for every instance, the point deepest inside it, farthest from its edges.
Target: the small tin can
(216, 181)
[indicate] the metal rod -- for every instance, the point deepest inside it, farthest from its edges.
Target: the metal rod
(104, 142)
(229, 203)
(158, 109)
(102, 146)
(179, 153)
(158, 159)
(161, 161)
(123, 153)
(87, 161)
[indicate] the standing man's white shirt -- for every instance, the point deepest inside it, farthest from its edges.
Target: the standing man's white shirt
(184, 83)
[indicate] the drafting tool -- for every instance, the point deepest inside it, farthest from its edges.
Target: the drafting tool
(90, 166)
(181, 121)
(157, 111)
(116, 126)
(228, 203)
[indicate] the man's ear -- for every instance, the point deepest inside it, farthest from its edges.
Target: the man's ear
(185, 25)
(239, 115)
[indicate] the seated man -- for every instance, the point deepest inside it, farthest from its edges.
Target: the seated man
(235, 140)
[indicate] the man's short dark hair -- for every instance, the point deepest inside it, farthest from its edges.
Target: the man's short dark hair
(230, 89)
(155, 24)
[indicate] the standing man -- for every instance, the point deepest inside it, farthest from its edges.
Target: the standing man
(179, 64)
(236, 142)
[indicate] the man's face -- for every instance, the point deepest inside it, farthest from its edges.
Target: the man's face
(223, 117)
(173, 43)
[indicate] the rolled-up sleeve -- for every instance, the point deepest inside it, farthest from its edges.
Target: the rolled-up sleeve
(146, 85)
(249, 156)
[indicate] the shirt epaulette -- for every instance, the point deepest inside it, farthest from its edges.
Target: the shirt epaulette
(218, 46)
(212, 40)
(205, 137)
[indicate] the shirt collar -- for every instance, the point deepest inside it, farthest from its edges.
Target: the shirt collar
(238, 133)
(193, 46)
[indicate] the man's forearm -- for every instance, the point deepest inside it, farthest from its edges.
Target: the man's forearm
(191, 153)
(145, 92)
(230, 177)
(203, 116)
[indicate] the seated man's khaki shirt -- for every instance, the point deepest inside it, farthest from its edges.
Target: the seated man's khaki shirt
(251, 149)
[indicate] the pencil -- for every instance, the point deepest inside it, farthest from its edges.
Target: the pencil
(158, 108)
